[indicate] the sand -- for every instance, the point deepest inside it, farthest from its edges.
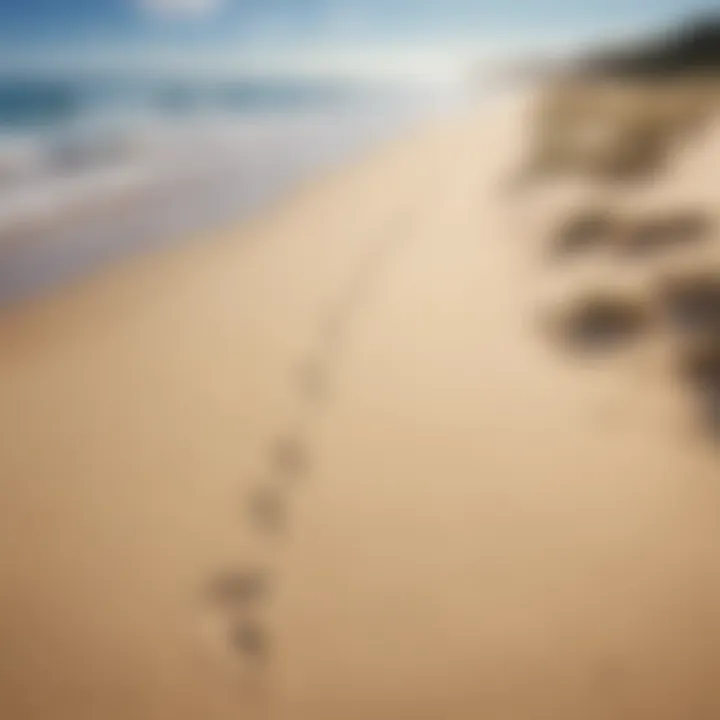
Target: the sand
(332, 464)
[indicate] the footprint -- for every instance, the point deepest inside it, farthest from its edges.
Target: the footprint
(268, 510)
(249, 639)
(663, 233)
(239, 588)
(289, 457)
(600, 322)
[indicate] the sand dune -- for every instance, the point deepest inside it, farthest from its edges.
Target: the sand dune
(334, 465)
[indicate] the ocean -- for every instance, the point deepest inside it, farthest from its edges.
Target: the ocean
(95, 168)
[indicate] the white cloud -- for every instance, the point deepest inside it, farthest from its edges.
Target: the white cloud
(181, 8)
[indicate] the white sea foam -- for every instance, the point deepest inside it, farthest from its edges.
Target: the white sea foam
(72, 198)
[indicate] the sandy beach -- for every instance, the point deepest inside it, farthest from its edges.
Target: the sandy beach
(330, 465)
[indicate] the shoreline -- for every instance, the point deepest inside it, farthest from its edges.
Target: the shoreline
(54, 235)
(330, 466)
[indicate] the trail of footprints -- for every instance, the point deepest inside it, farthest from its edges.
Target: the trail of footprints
(239, 595)
(680, 300)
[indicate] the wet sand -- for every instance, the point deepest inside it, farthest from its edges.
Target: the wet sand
(330, 465)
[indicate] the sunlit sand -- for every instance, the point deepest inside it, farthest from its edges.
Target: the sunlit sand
(342, 461)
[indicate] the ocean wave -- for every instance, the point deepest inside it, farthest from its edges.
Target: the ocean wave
(71, 191)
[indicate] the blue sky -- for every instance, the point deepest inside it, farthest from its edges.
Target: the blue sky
(286, 31)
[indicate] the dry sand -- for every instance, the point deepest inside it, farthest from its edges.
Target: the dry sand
(454, 517)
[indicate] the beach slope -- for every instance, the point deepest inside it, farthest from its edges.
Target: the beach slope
(330, 465)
